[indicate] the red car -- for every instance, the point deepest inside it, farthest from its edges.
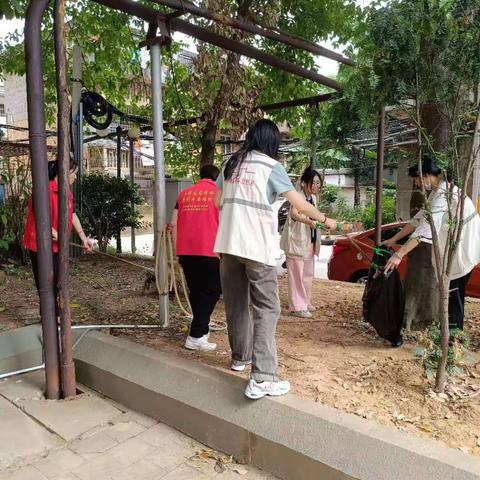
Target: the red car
(350, 264)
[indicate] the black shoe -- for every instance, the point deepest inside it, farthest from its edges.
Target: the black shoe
(397, 342)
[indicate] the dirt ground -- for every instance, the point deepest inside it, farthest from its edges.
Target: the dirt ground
(335, 358)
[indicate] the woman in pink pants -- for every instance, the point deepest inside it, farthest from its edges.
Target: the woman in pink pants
(300, 242)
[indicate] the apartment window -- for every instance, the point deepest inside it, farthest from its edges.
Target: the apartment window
(227, 148)
(112, 160)
(138, 162)
(2, 110)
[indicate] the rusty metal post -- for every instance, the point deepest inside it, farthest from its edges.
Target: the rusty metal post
(379, 187)
(63, 157)
(41, 200)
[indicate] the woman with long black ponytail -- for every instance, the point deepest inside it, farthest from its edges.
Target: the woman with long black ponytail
(30, 236)
(247, 241)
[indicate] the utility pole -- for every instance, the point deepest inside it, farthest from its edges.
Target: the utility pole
(41, 203)
(132, 183)
(379, 188)
(160, 201)
(77, 132)
(63, 158)
(119, 175)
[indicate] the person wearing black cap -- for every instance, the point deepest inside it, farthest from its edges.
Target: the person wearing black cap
(467, 254)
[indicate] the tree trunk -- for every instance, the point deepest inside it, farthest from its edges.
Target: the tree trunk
(421, 289)
(441, 376)
(209, 137)
(223, 96)
(356, 183)
(435, 121)
(421, 293)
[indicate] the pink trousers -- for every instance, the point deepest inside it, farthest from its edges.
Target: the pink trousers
(300, 279)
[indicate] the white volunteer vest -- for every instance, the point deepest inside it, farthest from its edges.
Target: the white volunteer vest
(248, 223)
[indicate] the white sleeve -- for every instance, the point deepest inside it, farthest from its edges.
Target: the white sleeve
(415, 221)
(423, 232)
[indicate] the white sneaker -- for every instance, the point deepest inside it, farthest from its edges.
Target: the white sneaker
(312, 308)
(257, 390)
(239, 366)
(302, 314)
(201, 344)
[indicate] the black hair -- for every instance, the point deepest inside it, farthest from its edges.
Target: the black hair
(263, 136)
(209, 171)
(429, 167)
(308, 176)
(53, 168)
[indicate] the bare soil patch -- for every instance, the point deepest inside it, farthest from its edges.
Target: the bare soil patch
(335, 359)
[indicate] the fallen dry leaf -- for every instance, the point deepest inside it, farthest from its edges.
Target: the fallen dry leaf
(426, 427)
(240, 470)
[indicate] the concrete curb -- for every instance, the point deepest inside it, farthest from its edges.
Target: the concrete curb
(291, 437)
(20, 348)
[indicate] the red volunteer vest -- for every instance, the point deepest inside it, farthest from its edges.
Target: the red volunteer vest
(197, 221)
(30, 235)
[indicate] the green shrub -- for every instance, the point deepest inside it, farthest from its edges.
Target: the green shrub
(330, 194)
(388, 212)
(459, 343)
(15, 178)
(345, 213)
(106, 207)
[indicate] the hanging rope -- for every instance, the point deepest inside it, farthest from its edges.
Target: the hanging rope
(168, 275)
(358, 245)
(378, 250)
(165, 263)
(167, 281)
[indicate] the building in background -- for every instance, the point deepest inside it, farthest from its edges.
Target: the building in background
(3, 116)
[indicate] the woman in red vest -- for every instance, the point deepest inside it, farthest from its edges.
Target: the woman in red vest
(195, 224)
(30, 236)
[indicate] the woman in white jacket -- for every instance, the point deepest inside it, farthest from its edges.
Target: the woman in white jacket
(467, 254)
(247, 241)
(301, 243)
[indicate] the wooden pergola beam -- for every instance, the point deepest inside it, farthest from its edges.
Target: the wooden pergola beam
(153, 16)
(298, 102)
(287, 39)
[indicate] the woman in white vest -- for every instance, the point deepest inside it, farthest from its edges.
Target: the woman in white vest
(301, 244)
(247, 241)
(467, 254)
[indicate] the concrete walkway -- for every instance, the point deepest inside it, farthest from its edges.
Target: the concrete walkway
(92, 438)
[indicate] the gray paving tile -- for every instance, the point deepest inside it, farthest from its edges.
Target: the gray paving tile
(21, 437)
(25, 473)
(58, 463)
(71, 418)
(142, 470)
(122, 431)
(185, 472)
(115, 460)
(93, 445)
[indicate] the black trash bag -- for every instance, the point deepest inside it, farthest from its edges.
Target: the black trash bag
(383, 299)
(283, 212)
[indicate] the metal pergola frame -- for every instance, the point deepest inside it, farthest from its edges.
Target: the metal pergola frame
(164, 23)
